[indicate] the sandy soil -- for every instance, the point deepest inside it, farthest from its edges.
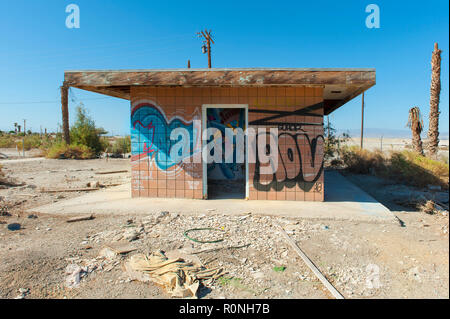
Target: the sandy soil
(362, 260)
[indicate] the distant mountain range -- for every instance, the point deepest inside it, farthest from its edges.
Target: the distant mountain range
(388, 133)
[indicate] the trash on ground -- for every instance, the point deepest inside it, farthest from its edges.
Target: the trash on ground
(80, 218)
(68, 190)
(279, 268)
(179, 278)
(112, 172)
(14, 227)
(205, 241)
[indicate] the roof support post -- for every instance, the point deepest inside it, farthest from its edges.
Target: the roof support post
(362, 120)
(65, 112)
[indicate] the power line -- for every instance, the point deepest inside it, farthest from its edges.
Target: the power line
(82, 48)
(46, 102)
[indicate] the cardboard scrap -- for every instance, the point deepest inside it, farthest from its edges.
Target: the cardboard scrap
(179, 278)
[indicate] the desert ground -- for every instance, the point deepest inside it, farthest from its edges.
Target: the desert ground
(403, 259)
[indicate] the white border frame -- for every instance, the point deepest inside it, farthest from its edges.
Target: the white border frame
(204, 164)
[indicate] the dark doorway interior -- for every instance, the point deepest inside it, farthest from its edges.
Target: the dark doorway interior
(226, 180)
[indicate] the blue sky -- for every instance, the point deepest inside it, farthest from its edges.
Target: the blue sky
(37, 47)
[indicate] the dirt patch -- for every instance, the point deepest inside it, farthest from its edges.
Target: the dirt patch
(362, 260)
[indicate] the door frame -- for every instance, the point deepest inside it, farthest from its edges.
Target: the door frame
(204, 164)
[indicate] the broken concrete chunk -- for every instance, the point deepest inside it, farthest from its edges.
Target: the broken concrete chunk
(107, 253)
(131, 235)
(75, 273)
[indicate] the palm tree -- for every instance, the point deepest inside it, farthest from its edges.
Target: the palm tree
(15, 127)
(415, 123)
(435, 90)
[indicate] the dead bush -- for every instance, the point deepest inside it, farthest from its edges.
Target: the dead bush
(7, 141)
(64, 151)
(429, 207)
(414, 169)
(360, 161)
(406, 167)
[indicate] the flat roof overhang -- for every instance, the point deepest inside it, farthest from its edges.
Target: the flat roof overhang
(340, 84)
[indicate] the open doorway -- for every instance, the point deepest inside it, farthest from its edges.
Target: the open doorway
(228, 177)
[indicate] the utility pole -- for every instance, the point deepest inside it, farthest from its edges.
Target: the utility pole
(206, 48)
(362, 120)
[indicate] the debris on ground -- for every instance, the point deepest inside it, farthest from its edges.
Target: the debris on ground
(80, 218)
(75, 273)
(121, 248)
(429, 207)
(14, 226)
(179, 278)
(68, 190)
(205, 239)
(94, 184)
(23, 292)
(279, 268)
(112, 172)
(4, 211)
(360, 259)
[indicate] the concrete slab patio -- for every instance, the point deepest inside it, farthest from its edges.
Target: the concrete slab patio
(343, 201)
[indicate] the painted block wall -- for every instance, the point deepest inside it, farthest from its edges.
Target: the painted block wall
(296, 112)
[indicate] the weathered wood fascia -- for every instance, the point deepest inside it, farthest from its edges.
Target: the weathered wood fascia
(215, 78)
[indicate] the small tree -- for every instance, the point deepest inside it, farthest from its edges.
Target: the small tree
(415, 123)
(84, 132)
(332, 142)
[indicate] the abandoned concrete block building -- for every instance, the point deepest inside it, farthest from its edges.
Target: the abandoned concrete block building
(294, 101)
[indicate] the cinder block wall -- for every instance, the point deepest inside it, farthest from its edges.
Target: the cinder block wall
(296, 112)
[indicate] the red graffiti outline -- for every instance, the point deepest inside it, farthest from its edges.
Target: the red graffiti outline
(148, 149)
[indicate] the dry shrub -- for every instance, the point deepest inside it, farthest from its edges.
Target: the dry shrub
(7, 141)
(33, 141)
(64, 151)
(406, 167)
(429, 207)
(121, 145)
(360, 161)
(336, 162)
(417, 170)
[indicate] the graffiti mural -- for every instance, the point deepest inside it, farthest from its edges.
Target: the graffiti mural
(150, 135)
(299, 163)
(222, 118)
(296, 164)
